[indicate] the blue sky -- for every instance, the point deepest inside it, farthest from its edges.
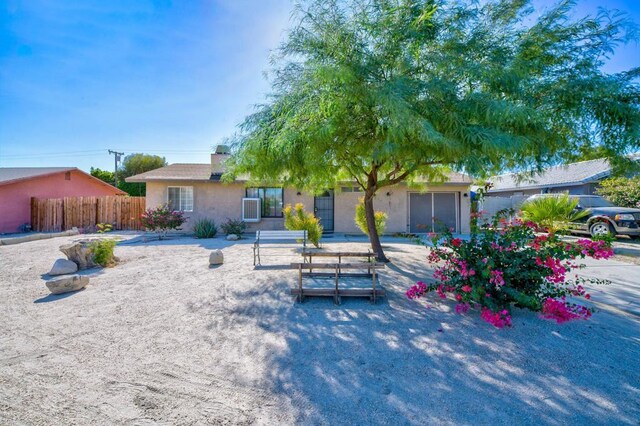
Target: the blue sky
(168, 78)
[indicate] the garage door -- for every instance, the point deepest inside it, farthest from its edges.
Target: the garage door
(433, 212)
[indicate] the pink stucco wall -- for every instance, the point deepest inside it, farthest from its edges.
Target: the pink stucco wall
(15, 198)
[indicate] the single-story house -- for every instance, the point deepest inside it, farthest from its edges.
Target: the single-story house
(197, 190)
(19, 184)
(576, 178)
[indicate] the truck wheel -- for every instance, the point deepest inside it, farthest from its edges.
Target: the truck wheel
(599, 229)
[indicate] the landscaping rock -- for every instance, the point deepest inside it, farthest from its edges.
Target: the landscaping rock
(63, 267)
(80, 253)
(216, 257)
(67, 283)
(232, 237)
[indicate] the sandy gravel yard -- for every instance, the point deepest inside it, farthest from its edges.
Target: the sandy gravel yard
(164, 339)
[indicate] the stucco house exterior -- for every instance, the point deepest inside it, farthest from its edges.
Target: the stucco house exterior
(198, 190)
(19, 184)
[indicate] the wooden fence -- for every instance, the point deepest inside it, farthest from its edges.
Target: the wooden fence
(58, 214)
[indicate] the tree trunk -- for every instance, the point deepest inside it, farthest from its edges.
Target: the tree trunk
(374, 238)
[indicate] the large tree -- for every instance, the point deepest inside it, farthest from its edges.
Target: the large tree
(135, 164)
(384, 91)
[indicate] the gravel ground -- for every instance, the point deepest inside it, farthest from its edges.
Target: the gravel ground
(164, 339)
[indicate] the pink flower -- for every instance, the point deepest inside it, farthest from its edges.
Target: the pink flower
(462, 308)
(497, 319)
(560, 311)
(466, 289)
(456, 242)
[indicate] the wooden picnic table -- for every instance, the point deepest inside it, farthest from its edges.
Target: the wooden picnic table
(309, 255)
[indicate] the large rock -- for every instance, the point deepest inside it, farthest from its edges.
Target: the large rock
(63, 267)
(216, 257)
(80, 253)
(67, 283)
(232, 237)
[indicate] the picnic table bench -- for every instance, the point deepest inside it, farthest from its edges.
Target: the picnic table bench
(306, 269)
(269, 237)
(309, 255)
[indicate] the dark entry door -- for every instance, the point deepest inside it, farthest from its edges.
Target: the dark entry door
(420, 213)
(323, 209)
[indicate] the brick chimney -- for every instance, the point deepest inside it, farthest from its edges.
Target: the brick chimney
(217, 159)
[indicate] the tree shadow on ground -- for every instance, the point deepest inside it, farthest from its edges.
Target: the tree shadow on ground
(398, 362)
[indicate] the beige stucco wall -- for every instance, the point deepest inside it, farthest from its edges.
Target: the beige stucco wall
(220, 201)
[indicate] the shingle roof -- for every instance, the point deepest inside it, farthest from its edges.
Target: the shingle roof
(177, 171)
(202, 172)
(563, 175)
(10, 174)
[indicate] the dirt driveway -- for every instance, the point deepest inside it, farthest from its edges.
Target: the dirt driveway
(164, 339)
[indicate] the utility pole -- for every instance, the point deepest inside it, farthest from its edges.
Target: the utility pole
(116, 158)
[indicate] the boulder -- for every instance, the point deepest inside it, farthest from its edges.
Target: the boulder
(80, 253)
(63, 267)
(216, 257)
(67, 283)
(232, 237)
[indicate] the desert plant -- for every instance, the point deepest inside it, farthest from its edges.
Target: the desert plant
(621, 191)
(507, 264)
(297, 219)
(233, 227)
(102, 251)
(162, 219)
(554, 213)
(205, 228)
(361, 218)
(103, 228)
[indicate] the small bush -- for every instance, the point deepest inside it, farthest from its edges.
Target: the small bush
(103, 251)
(296, 219)
(162, 219)
(103, 228)
(205, 228)
(361, 219)
(233, 227)
(554, 213)
(621, 191)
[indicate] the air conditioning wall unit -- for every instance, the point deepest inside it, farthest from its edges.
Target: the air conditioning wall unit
(251, 209)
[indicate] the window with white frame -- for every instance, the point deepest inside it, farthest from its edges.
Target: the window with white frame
(180, 198)
(271, 200)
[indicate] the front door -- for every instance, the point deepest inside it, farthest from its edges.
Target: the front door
(420, 213)
(323, 209)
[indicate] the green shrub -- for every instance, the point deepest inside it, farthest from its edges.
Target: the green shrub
(205, 228)
(103, 228)
(233, 226)
(554, 213)
(621, 191)
(296, 219)
(162, 219)
(103, 251)
(361, 219)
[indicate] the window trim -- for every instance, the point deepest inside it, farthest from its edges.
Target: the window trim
(192, 197)
(262, 203)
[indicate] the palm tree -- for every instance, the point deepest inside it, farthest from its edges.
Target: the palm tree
(554, 212)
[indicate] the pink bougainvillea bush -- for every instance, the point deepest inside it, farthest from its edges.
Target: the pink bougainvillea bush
(507, 264)
(162, 219)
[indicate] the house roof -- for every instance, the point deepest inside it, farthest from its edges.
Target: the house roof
(202, 172)
(9, 175)
(563, 175)
(177, 171)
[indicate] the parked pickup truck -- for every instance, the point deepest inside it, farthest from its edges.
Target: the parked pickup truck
(604, 217)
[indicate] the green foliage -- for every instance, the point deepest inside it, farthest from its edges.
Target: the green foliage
(554, 213)
(234, 227)
(621, 191)
(103, 228)
(361, 219)
(134, 164)
(103, 251)
(296, 219)
(382, 92)
(103, 175)
(162, 219)
(205, 228)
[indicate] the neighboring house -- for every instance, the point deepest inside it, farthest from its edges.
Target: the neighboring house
(576, 178)
(197, 190)
(19, 184)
